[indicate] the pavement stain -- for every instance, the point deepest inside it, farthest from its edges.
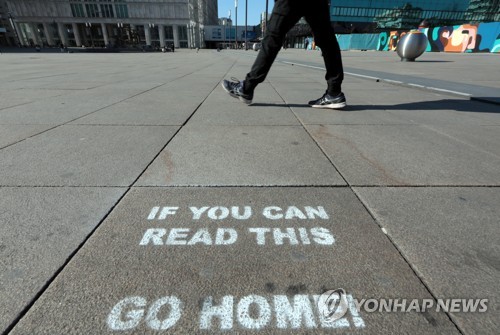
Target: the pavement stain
(323, 134)
(164, 159)
(489, 259)
(296, 289)
(429, 318)
(169, 165)
(475, 259)
(270, 287)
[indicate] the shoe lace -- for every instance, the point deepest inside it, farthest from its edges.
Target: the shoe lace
(234, 82)
(323, 97)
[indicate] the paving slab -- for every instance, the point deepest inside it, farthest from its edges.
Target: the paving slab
(142, 111)
(215, 268)
(40, 228)
(238, 156)
(11, 98)
(83, 156)
(268, 110)
(450, 71)
(358, 110)
(368, 103)
(450, 236)
(479, 137)
(159, 107)
(127, 280)
(62, 109)
(14, 133)
(440, 110)
(404, 155)
(56, 83)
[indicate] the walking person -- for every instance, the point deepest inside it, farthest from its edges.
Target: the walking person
(286, 13)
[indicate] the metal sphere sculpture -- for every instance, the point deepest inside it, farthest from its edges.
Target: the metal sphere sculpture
(411, 46)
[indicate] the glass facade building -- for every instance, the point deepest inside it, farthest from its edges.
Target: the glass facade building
(110, 23)
(406, 14)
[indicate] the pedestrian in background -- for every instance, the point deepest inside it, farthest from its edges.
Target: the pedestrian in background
(286, 13)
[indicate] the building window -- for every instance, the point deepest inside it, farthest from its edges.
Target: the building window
(169, 32)
(107, 11)
(92, 10)
(121, 11)
(77, 10)
(183, 44)
(183, 35)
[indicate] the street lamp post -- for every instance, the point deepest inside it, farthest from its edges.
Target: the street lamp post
(265, 17)
(246, 24)
(236, 25)
(226, 30)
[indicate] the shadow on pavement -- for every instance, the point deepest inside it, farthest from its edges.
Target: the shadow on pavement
(445, 104)
(434, 61)
(459, 105)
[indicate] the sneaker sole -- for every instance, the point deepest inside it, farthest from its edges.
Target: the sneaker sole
(248, 102)
(339, 105)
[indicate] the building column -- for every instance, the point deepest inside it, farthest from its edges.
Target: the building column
(63, 34)
(76, 32)
(176, 36)
(48, 34)
(34, 34)
(104, 29)
(133, 32)
(21, 35)
(147, 33)
(161, 30)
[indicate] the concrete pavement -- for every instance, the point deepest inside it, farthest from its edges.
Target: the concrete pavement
(136, 196)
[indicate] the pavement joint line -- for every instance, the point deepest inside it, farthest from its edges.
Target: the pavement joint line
(45, 286)
(254, 186)
(338, 171)
(53, 75)
(422, 281)
(427, 186)
(24, 139)
(441, 133)
(28, 306)
(185, 122)
(310, 135)
(241, 186)
(63, 186)
(26, 103)
(121, 125)
(73, 120)
(373, 217)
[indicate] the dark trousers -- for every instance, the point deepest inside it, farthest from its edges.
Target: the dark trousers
(286, 13)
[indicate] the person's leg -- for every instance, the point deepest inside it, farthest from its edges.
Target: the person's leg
(285, 15)
(318, 17)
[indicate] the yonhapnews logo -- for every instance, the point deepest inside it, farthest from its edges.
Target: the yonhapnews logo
(334, 304)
